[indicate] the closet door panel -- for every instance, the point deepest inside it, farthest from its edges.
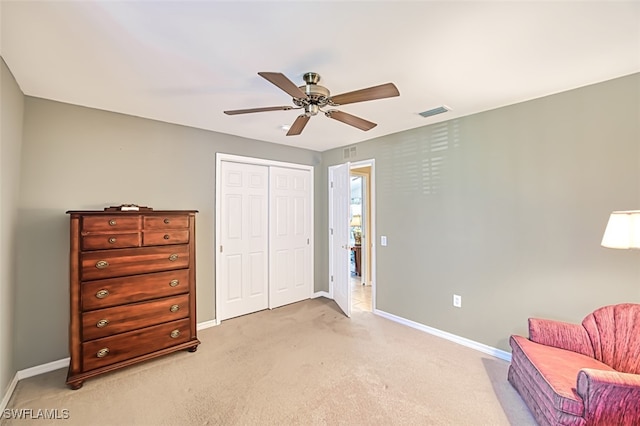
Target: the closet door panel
(244, 239)
(290, 272)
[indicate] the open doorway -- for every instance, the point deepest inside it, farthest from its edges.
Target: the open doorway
(360, 236)
(342, 240)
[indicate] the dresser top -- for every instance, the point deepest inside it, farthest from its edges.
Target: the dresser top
(130, 212)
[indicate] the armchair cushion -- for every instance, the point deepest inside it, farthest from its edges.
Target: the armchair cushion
(563, 335)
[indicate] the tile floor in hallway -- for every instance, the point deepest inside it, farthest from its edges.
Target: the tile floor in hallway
(360, 294)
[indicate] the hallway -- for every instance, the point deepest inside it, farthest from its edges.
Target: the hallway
(360, 295)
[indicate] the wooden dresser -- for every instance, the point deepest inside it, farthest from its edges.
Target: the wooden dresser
(132, 287)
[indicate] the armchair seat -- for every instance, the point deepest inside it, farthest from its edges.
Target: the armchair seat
(550, 374)
(581, 374)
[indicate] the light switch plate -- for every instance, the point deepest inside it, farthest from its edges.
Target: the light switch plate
(383, 240)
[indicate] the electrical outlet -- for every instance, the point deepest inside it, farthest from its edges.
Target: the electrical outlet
(383, 240)
(457, 301)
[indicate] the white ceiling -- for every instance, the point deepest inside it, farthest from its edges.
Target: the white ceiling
(185, 62)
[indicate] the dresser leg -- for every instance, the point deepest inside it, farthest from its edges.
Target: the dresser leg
(76, 385)
(193, 348)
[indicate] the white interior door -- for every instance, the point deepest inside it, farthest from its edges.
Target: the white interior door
(339, 205)
(290, 274)
(244, 238)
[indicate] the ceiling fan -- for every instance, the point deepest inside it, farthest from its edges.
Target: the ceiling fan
(312, 98)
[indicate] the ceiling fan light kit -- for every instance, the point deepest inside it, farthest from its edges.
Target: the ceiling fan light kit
(312, 97)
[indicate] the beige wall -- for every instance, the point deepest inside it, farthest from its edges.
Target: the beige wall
(507, 209)
(11, 114)
(78, 158)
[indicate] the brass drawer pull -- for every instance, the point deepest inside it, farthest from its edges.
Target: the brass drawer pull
(166, 236)
(112, 222)
(166, 221)
(173, 257)
(101, 294)
(101, 264)
(102, 323)
(174, 283)
(174, 308)
(102, 352)
(175, 334)
(112, 240)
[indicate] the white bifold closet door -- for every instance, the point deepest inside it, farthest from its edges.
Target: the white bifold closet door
(265, 229)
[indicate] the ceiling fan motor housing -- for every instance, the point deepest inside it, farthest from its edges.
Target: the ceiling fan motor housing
(317, 96)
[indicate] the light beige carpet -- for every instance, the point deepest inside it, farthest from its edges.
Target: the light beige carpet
(304, 364)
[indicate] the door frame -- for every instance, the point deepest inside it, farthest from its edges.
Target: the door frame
(220, 157)
(371, 208)
(365, 261)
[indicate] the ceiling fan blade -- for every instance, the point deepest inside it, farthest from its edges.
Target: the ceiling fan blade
(350, 119)
(247, 111)
(298, 126)
(369, 94)
(283, 83)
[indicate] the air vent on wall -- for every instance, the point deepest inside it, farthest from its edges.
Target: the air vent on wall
(435, 111)
(349, 152)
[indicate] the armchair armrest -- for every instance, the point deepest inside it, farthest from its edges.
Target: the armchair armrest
(563, 335)
(609, 397)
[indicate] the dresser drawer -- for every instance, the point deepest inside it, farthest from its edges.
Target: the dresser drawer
(120, 262)
(109, 350)
(170, 236)
(110, 241)
(110, 223)
(166, 222)
(116, 320)
(136, 288)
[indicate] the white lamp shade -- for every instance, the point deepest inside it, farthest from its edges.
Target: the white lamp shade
(623, 230)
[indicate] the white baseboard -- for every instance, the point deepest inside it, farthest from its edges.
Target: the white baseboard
(320, 294)
(30, 372)
(207, 324)
(498, 353)
(8, 393)
(44, 368)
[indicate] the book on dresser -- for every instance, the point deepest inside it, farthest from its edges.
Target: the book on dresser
(132, 283)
